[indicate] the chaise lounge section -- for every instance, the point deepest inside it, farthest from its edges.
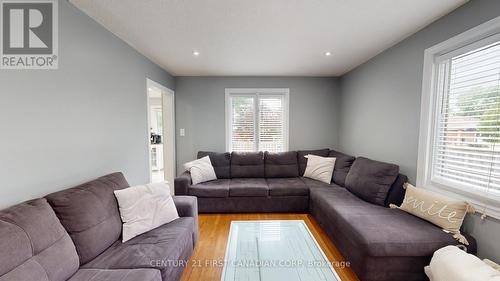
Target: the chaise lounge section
(381, 244)
(75, 235)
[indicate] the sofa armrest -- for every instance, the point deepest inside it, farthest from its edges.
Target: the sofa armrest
(182, 183)
(187, 206)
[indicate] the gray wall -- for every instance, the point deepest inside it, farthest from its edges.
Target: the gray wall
(200, 110)
(88, 118)
(62, 127)
(380, 104)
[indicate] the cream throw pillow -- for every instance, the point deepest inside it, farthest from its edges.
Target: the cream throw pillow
(440, 210)
(201, 170)
(319, 168)
(452, 264)
(145, 207)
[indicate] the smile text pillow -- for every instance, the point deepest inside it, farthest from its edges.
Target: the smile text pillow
(440, 210)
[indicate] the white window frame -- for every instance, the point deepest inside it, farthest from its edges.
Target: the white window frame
(481, 35)
(256, 92)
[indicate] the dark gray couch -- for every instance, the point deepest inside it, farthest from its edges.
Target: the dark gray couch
(382, 244)
(75, 234)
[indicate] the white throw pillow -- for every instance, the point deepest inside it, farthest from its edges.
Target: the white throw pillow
(451, 263)
(319, 168)
(201, 170)
(145, 207)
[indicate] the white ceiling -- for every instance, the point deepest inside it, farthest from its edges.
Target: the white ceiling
(263, 37)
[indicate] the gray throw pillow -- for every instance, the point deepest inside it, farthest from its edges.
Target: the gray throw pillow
(371, 180)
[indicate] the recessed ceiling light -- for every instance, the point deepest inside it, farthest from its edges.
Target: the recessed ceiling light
(196, 53)
(149, 89)
(328, 54)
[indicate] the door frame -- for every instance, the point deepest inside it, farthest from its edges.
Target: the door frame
(169, 155)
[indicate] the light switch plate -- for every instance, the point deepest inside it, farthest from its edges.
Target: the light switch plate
(182, 132)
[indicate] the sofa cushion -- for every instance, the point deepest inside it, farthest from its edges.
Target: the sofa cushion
(376, 230)
(281, 164)
(88, 211)
(248, 187)
(371, 180)
(303, 161)
(117, 275)
(342, 166)
(161, 248)
(34, 245)
(247, 165)
(220, 161)
(216, 188)
(287, 187)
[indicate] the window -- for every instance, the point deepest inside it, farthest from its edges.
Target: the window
(459, 149)
(257, 120)
(467, 149)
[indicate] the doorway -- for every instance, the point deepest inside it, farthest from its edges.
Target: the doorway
(161, 133)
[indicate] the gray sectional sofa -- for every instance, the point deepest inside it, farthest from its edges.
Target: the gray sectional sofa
(75, 234)
(381, 244)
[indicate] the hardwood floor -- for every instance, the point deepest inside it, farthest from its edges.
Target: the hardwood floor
(214, 232)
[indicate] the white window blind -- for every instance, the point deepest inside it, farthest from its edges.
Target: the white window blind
(466, 150)
(271, 124)
(257, 121)
(243, 123)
